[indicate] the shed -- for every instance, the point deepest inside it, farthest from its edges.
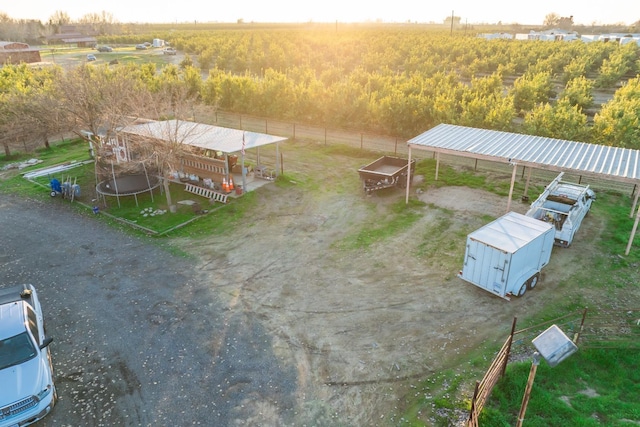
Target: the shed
(604, 162)
(69, 34)
(16, 52)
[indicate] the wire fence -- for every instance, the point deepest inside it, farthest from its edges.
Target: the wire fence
(393, 145)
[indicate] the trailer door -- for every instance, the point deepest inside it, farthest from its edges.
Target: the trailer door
(487, 267)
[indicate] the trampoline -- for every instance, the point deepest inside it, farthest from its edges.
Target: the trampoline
(129, 185)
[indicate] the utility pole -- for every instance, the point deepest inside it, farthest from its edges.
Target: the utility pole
(451, 23)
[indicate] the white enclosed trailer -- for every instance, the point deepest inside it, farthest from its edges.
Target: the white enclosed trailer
(505, 257)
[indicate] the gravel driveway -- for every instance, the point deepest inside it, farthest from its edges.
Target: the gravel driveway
(138, 340)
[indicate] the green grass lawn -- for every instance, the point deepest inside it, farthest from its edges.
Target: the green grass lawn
(148, 213)
(124, 55)
(594, 387)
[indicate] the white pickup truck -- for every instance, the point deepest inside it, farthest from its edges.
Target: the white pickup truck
(564, 205)
(27, 392)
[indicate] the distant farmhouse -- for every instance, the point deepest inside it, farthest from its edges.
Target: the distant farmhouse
(567, 36)
(15, 53)
(69, 34)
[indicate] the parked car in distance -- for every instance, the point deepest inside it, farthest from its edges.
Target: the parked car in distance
(105, 49)
(91, 57)
(169, 51)
(26, 372)
(141, 47)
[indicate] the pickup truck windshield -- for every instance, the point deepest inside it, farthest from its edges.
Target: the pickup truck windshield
(15, 350)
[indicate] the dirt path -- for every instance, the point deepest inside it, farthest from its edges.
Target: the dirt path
(361, 326)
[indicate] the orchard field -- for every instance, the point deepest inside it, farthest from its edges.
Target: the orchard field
(402, 80)
(397, 81)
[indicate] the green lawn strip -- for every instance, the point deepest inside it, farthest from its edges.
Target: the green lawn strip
(399, 218)
(462, 177)
(593, 387)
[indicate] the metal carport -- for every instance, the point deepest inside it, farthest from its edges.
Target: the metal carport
(601, 161)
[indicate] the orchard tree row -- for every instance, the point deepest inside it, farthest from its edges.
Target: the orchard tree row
(403, 81)
(365, 80)
(404, 50)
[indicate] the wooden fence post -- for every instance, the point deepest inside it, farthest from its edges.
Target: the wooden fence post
(576, 337)
(471, 421)
(527, 390)
(506, 360)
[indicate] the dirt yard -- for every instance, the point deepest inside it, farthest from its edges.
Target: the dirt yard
(360, 327)
(363, 327)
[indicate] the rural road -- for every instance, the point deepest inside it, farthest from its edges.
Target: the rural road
(138, 339)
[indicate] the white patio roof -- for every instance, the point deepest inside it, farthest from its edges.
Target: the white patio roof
(605, 162)
(208, 137)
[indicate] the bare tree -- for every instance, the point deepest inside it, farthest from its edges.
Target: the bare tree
(59, 18)
(165, 143)
(551, 19)
(101, 99)
(565, 23)
(101, 23)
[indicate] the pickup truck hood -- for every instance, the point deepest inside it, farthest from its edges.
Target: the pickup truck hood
(24, 380)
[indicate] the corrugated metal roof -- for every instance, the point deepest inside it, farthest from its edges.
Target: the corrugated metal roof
(209, 137)
(622, 164)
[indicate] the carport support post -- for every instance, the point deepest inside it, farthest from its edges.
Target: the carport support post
(278, 162)
(513, 179)
(406, 201)
(635, 202)
(437, 164)
(526, 185)
(633, 233)
(244, 174)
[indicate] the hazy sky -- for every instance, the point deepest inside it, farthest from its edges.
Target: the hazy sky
(472, 11)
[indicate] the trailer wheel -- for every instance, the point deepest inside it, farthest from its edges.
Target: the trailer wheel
(523, 289)
(531, 283)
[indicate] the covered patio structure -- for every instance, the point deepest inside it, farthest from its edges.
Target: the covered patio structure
(601, 161)
(209, 156)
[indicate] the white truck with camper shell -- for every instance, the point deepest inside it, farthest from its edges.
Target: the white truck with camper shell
(564, 205)
(27, 392)
(506, 256)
